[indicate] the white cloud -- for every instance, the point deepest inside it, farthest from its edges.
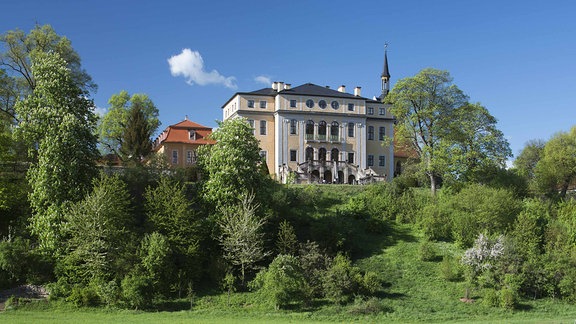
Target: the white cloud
(263, 79)
(190, 65)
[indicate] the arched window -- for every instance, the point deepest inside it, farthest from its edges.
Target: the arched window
(322, 154)
(334, 154)
(334, 131)
(309, 154)
(322, 130)
(309, 129)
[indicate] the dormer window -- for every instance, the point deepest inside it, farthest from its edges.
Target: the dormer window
(192, 135)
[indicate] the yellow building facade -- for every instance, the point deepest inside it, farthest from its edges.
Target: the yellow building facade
(315, 134)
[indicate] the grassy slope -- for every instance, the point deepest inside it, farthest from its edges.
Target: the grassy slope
(414, 292)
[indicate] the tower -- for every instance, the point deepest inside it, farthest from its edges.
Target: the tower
(385, 75)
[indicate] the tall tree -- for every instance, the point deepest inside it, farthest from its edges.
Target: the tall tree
(452, 137)
(424, 105)
(233, 165)
(17, 58)
(58, 120)
(136, 143)
(525, 163)
(114, 125)
(556, 169)
(475, 144)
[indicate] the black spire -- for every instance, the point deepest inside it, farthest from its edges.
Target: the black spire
(385, 75)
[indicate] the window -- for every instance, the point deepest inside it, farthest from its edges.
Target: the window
(322, 154)
(371, 133)
(350, 107)
(350, 129)
(381, 133)
(335, 154)
(293, 155)
(309, 129)
(251, 123)
(293, 126)
(370, 111)
(382, 160)
(370, 160)
(322, 130)
(310, 103)
(264, 156)
(192, 135)
(334, 131)
(351, 157)
(381, 111)
(322, 104)
(292, 103)
(263, 104)
(190, 157)
(262, 127)
(250, 103)
(335, 105)
(174, 157)
(309, 154)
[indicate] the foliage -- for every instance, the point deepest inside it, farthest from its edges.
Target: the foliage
(450, 269)
(452, 138)
(155, 252)
(287, 242)
(66, 145)
(128, 124)
(232, 165)
(21, 49)
(427, 251)
(556, 169)
(242, 238)
(341, 280)
(20, 264)
(525, 163)
(98, 228)
(283, 283)
(137, 290)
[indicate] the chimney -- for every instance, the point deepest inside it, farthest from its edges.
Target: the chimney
(275, 86)
(357, 91)
(342, 88)
(327, 87)
(280, 86)
(287, 86)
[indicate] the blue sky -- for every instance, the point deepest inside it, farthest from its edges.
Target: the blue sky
(517, 58)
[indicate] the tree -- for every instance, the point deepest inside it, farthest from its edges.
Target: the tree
(556, 169)
(59, 121)
(136, 144)
(233, 165)
(123, 123)
(98, 228)
(242, 238)
(451, 136)
(475, 145)
(18, 56)
(525, 163)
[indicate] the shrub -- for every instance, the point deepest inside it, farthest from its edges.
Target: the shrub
(136, 290)
(371, 283)
(491, 297)
(341, 280)
(426, 251)
(508, 298)
(83, 296)
(450, 269)
(283, 283)
(369, 306)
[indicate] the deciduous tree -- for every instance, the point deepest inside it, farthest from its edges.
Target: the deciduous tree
(556, 169)
(58, 119)
(123, 123)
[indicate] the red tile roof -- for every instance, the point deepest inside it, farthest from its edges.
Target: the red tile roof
(180, 133)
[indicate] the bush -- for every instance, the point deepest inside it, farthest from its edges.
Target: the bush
(283, 283)
(341, 280)
(450, 269)
(508, 298)
(427, 252)
(369, 306)
(136, 291)
(83, 296)
(491, 297)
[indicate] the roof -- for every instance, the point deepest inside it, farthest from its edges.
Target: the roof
(385, 72)
(307, 89)
(180, 133)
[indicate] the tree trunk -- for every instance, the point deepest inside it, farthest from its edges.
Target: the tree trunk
(432, 183)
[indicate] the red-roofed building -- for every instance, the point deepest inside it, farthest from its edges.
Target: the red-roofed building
(180, 142)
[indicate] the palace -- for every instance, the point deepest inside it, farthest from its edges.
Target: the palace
(314, 134)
